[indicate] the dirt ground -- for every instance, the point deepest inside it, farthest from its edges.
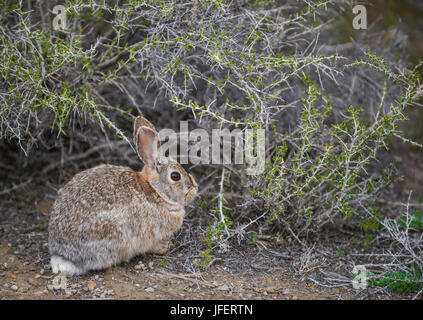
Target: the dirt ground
(22, 280)
(265, 270)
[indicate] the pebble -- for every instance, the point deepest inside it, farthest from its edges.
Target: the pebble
(285, 291)
(151, 264)
(91, 285)
(14, 287)
(68, 292)
(225, 287)
(149, 289)
(60, 282)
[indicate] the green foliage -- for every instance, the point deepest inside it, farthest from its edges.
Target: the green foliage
(216, 233)
(416, 221)
(401, 282)
(205, 259)
(253, 239)
(325, 172)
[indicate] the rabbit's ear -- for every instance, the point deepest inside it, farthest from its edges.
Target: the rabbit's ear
(146, 141)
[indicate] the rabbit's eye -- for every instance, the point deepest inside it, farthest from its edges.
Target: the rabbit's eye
(175, 176)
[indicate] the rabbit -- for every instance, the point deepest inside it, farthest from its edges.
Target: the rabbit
(109, 214)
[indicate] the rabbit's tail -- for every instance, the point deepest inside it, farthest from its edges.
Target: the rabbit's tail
(65, 267)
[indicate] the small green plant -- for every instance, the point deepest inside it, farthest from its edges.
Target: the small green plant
(218, 232)
(205, 259)
(416, 220)
(339, 253)
(401, 282)
(367, 242)
(253, 239)
(163, 263)
(42, 225)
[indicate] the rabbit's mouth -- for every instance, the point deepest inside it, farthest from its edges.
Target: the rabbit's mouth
(190, 195)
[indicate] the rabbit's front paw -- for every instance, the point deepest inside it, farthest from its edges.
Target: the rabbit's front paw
(160, 247)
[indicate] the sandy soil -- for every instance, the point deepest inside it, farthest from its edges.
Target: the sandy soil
(22, 280)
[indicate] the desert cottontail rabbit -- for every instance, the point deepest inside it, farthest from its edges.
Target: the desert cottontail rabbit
(108, 214)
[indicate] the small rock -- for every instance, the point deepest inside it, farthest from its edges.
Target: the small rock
(151, 264)
(14, 287)
(60, 282)
(91, 285)
(149, 289)
(285, 291)
(96, 277)
(225, 287)
(30, 280)
(294, 298)
(138, 267)
(6, 285)
(37, 276)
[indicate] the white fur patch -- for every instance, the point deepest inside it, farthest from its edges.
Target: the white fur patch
(64, 267)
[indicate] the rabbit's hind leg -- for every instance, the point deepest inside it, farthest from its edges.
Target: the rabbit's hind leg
(64, 267)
